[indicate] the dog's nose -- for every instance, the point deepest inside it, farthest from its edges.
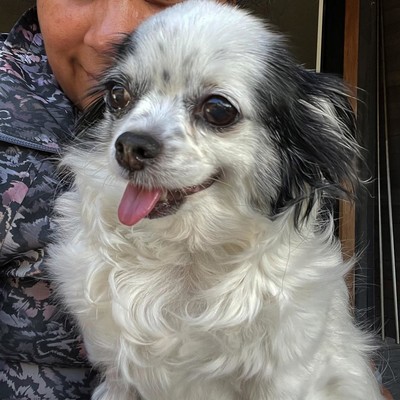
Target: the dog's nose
(134, 150)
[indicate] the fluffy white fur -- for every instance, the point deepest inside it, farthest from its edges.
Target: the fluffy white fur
(235, 296)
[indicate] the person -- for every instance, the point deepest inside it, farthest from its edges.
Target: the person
(48, 62)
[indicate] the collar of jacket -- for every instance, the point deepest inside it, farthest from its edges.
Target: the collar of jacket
(34, 112)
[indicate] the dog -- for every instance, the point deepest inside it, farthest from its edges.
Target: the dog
(196, 245)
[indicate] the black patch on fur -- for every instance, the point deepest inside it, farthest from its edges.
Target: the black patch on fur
(166, 76)
(127, 46)
(161, 47)
(318, 153)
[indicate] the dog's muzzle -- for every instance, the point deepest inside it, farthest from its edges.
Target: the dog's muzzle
(133, 152)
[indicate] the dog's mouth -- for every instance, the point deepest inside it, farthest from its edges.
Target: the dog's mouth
(138, 202)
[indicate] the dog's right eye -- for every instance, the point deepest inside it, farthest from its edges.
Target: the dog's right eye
(219, 111)
(117, 97)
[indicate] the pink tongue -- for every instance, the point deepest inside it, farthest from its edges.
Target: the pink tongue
(136, 203)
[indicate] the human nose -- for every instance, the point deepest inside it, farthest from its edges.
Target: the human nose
(112, 20)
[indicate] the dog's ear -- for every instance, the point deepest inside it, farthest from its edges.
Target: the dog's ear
(313, 125)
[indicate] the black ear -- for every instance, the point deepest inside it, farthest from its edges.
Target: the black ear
(313, 125)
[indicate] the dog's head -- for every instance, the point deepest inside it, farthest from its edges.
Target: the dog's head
(205, 98)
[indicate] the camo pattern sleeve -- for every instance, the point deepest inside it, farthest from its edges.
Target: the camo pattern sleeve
(41, 353)
(33, 109)
(42, 356)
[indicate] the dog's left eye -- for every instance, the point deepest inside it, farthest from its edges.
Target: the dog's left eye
(218, 111)
(117, 97)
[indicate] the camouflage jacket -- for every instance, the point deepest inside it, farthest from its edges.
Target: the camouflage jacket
(41, 355)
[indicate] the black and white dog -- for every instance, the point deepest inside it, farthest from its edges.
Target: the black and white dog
(196, 250)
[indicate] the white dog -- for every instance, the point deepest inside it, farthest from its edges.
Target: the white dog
(196, 246)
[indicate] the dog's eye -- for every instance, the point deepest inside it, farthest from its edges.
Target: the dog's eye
(117, 97)
(219, 111)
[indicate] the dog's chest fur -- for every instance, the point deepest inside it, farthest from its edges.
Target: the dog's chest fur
(186, 311)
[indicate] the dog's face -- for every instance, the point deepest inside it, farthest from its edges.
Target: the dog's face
(203, 97)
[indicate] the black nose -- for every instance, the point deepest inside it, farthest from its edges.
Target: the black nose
(134, 151)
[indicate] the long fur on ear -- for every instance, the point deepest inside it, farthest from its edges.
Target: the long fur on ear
(313, 126)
